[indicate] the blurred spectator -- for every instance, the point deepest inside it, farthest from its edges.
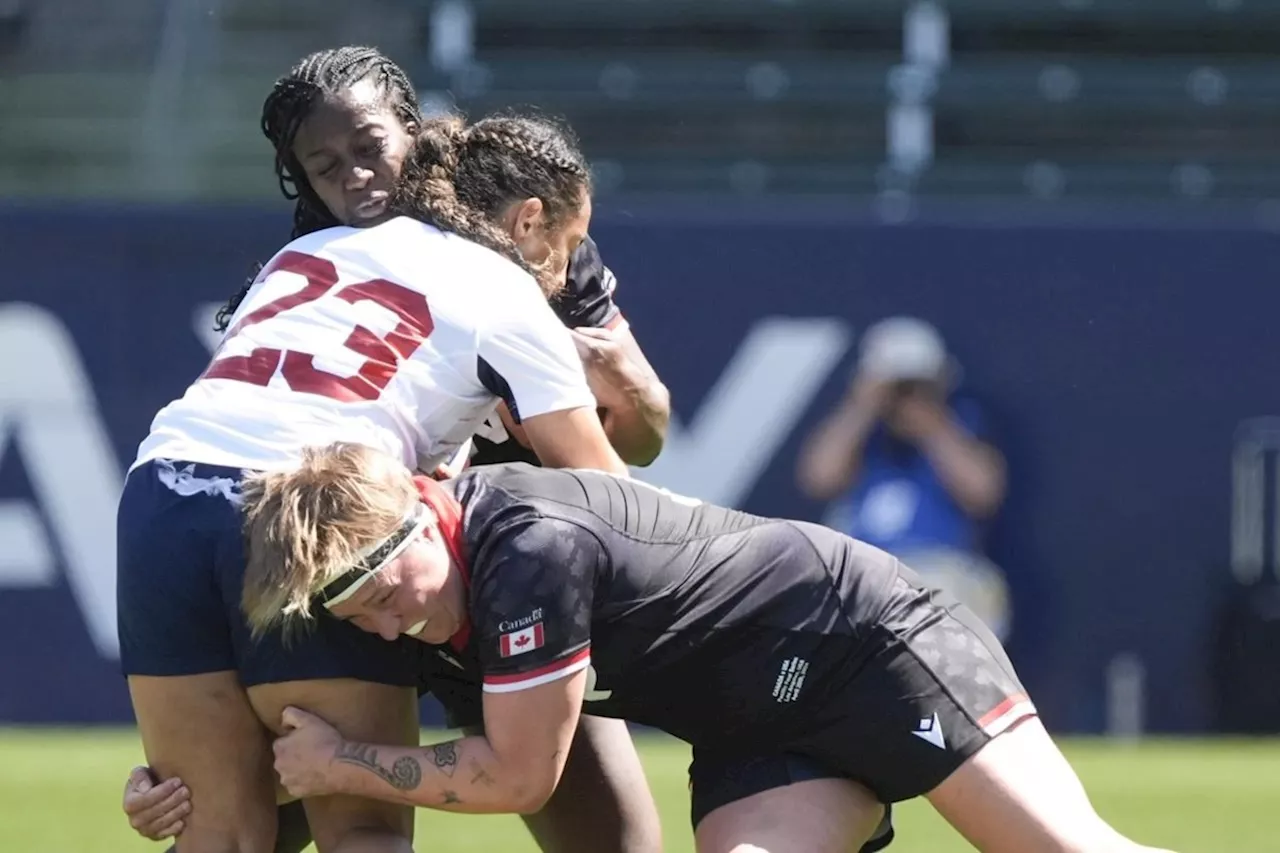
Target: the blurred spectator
(903, 461)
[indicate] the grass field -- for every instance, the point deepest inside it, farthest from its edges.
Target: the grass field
(60, 792)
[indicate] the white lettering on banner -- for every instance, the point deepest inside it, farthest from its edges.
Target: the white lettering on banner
(26, 558)
(48, 412)
(751, 411)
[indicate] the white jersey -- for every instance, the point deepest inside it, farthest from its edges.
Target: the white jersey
(400, 337)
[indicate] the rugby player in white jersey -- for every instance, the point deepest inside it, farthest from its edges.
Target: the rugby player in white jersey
(397, 337)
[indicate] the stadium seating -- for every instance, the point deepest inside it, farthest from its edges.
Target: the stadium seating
(1033, 98)
(128, 100)
(1044, 99)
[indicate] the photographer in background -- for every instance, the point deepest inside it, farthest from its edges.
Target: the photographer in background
(903, 462)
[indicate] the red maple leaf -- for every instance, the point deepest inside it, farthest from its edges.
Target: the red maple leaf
(523, 641)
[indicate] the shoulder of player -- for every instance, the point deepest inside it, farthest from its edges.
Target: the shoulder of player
(508, 516)
(471, 285)
(387, 242)
(401, 233)
(502, 287)
(508, 489)
(587, 272)
(588, 276)
(318, 241)
(415, 244)
(587, 297)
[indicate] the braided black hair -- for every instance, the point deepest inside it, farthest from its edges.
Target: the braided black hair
(461, 179)
(458, 178)
(325, 72)
(508, 157)
(290, 102)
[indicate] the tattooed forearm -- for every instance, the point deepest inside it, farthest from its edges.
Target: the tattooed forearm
(481, 776)
(464, 775)
(445, 757)
(404, 775)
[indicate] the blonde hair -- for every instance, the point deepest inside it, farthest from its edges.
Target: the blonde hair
(307, 526)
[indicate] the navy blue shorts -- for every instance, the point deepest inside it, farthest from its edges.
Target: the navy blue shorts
(180, 569)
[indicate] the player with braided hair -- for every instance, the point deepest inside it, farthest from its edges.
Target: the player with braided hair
(342, 122)
(353, 150)
(324, 74)
(527, 176)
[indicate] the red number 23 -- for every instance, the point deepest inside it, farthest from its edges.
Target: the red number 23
(382, 354)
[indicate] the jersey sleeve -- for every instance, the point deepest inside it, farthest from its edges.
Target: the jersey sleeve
(527, 357)
(531, 599)
(587, 299)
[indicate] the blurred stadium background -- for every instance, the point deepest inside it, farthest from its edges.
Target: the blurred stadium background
(1082, 195)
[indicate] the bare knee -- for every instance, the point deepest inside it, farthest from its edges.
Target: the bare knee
(370, 841)
(255, 834)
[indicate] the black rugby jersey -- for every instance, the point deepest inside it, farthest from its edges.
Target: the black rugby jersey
(708, 623)
(587, 300)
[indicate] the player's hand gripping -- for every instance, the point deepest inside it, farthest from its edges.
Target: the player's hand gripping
(305, 754)
(156, 810)
(610, 373)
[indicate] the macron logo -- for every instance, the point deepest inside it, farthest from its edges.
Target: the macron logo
(930, 731)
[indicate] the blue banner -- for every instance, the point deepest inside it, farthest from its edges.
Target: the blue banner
(1117, 363)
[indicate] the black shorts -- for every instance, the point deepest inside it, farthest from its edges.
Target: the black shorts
(455, 685)
(934, 687)
(926, 690)
(180, 569)
(462, 701)
(713, 781)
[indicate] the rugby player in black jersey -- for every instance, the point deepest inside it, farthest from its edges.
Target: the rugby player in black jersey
(634, 406)
(750, 638)
(634, 403)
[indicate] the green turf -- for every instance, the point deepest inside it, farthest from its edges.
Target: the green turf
(60, 791)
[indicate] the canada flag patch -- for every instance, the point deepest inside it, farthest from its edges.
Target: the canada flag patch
(519, 642)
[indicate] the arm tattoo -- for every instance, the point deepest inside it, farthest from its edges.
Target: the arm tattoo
(404, 775)
(445, 757)
(482, 776)
(451, 797)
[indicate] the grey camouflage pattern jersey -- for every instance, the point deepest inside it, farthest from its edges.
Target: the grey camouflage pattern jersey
(688, 612)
